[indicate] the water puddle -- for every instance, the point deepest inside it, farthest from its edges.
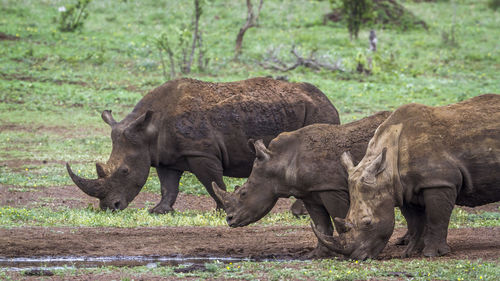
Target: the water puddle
(48, 263)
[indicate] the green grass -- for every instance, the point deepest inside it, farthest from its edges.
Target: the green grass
(53, 85)
(130, 218)
(301, 270)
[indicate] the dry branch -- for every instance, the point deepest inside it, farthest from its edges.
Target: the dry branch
(251, 22)
(272, 62)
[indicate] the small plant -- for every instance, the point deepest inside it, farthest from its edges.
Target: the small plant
(494, 4)
(355, 12)
(72, 17)
(189, 40)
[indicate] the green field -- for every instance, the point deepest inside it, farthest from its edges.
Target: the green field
(54, 86)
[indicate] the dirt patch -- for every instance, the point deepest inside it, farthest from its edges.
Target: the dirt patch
(39, 79)
(58, 130)
(5, 36)
(248, 242)
(55, 197)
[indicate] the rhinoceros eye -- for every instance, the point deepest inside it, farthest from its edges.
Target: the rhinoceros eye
(243, 193)
(366, 221)
(124, 170)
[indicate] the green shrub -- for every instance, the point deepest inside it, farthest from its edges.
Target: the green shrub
(494, 4)
(357, 12)
(72, 17)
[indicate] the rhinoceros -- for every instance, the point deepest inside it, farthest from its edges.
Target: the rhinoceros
(424, 160)
(201, 127)
(305, 164)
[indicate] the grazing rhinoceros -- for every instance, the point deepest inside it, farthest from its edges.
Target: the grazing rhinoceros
(423, 160)
(201, 127)
(304, 164)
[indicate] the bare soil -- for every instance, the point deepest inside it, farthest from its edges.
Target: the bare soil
(256, 242)
(71, 196)
(249, 242)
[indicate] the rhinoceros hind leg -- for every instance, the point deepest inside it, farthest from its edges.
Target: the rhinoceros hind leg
(298, 209)
(169, 180)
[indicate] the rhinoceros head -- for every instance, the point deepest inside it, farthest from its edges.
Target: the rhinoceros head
(257, 196)
(374, 190)
(125, 173)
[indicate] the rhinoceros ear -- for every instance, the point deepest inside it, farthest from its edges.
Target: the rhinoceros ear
(108, 118)
(139, 126)
(376, 167)
(251, 145)
(261, 151)
(346, 160)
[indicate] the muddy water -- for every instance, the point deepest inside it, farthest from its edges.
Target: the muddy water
(67, 262)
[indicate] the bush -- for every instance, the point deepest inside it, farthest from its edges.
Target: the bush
(494, 4)
(72, 17)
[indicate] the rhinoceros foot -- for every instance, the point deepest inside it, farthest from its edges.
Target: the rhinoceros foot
(435, 250)
(320, 252)
(161, 209)
(403, 240)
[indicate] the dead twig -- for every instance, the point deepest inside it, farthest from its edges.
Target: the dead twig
(272, 62)
(251, 22)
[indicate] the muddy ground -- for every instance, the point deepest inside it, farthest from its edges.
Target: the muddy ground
(252, 242)
(255, 242)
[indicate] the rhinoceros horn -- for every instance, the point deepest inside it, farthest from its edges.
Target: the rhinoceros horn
(330, 242)
(108, 118)
(224, 196)
(101, 172)
(93, 188)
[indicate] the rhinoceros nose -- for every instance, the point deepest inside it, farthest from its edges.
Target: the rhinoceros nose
(229, 219)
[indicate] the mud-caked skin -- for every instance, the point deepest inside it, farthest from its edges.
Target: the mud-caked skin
(305, 164)
(423, 160)
(201, 127)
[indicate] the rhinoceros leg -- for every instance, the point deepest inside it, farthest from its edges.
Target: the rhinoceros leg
(208, 170)
(439, 203)
(169, 180)
(298, 209)
(323, 223)
(336, 203)
(415, 217)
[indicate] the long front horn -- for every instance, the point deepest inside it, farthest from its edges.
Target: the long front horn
(93, 188)
(108, 118)
(330, 242)
(222, 195)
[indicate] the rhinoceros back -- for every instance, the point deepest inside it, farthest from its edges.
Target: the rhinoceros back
(457, 144)
(222, 116)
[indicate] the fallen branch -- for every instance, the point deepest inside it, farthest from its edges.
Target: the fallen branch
(311, 62)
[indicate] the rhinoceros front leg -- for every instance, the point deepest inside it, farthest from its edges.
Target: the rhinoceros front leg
(323, 223)
(336, 203)
(415, 217)
(169, 180)
(439, 203)
(207, 171)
